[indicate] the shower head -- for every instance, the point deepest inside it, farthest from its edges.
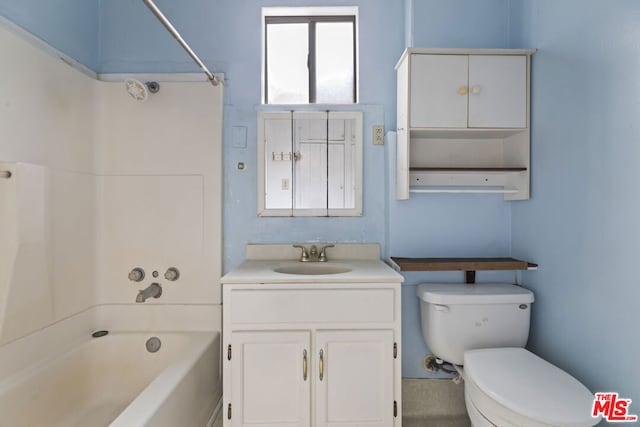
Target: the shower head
(140, 91)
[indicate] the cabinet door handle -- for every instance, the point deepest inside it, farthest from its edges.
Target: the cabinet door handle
(321, 364)
(304, 365)
(475, 90)
(463, 90)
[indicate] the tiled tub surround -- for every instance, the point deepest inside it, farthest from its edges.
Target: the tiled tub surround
(114, 381)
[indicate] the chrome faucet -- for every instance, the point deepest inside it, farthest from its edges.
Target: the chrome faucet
(313, 255)
(152, 291)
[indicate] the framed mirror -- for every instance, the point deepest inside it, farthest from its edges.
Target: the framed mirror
(310, 163)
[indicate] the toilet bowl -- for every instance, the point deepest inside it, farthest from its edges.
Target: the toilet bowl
(482, 329)
(514, 387)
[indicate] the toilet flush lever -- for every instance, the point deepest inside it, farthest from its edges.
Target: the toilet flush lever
(440, 307)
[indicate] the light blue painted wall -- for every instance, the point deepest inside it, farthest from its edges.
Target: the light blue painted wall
(581, 224)
(447, 225)
(227, 35)
(70, 26)
(408, 23)
(460, 23)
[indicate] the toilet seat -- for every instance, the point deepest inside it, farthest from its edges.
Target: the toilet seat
(512, 386)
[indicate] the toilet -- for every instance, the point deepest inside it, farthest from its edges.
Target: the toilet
(482, 330)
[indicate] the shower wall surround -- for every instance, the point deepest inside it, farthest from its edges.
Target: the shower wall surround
(49, 268)
(101, 184)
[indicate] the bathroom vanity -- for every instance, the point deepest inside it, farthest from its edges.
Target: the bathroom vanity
(312, 343)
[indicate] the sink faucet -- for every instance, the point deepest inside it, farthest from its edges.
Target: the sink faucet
(152, 291)
(313, 255)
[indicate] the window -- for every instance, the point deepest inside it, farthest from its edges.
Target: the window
(309, 58)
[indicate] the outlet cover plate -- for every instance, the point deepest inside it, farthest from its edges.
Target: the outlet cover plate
(378, 135)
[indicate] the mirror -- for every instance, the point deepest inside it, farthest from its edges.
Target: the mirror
(310, 163)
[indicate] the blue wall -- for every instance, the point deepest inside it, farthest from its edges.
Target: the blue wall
(70, 26)
(447, 225)
(460, 23)
(581, 224)
(227, 34)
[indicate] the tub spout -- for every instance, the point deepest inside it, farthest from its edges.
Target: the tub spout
(152, 291)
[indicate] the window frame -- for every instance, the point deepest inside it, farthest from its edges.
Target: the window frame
(311, 21)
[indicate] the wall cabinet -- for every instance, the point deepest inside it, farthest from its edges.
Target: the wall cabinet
(463, 121)
(326, 365)
(310, 163)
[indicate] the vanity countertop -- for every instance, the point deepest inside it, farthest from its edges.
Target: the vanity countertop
(361, 271)
(361, 261)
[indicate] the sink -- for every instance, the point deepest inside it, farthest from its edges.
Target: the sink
(312, 268)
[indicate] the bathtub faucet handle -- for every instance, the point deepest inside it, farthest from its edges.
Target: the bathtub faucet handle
(172, 274)
(136, 275)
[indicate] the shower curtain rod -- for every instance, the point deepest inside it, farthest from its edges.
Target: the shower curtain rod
(163, 19)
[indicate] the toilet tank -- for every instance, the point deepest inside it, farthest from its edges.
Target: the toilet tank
(456, 318)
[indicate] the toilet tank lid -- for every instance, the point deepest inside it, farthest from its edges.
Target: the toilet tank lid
(481, 293)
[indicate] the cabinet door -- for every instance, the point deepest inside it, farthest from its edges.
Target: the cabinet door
(356, 387)
(497, 91)
(438, 91)
(269, 387)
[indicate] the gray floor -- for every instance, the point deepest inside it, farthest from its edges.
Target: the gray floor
(433, 403)
(436, 421)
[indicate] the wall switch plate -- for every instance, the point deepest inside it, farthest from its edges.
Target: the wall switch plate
(239, 136)
(378, 135)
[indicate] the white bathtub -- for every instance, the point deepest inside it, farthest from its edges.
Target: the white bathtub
(114, 381)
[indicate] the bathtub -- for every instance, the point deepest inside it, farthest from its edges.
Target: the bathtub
(114, 381)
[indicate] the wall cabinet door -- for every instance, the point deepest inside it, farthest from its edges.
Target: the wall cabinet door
(271, 379)
(439, 91)
(497, 91)
(475, 91)
(354, 374)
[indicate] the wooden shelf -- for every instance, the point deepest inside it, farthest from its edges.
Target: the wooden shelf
(449, 169)
(468, 265)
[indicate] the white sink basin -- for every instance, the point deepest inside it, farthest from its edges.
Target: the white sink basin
(312, 268)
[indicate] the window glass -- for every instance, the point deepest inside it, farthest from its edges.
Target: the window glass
(335, 79)
(287, 72)
(310, 59)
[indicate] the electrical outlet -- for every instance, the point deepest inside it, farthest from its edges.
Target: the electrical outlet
(378, 135)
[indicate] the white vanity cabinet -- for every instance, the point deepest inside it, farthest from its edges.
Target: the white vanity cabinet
(463, 122)
(312, 354)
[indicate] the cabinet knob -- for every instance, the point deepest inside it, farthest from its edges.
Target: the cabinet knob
(463, 90)
(475, 90)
